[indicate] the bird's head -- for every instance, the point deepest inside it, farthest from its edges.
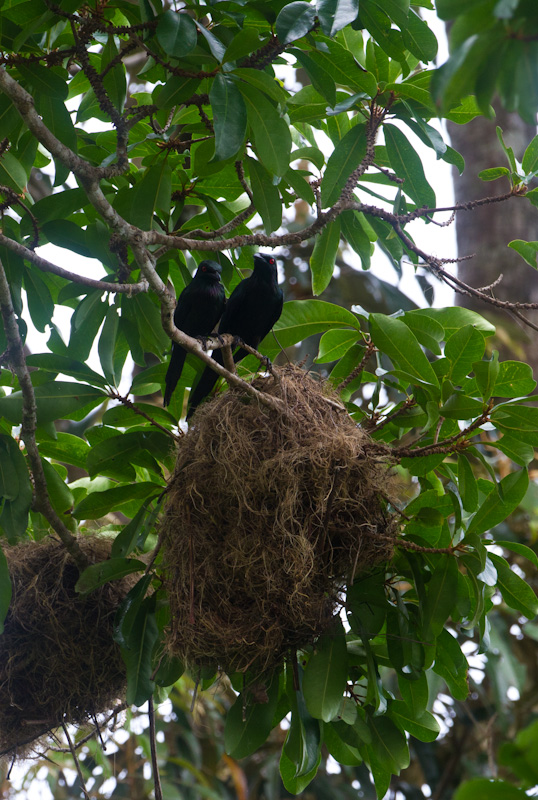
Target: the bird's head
(210, 270)
(265, 265)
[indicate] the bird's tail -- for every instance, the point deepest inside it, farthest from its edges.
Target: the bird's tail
(173, 373)
(204, 386)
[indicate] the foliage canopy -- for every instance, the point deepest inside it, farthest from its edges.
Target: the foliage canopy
(164, 136)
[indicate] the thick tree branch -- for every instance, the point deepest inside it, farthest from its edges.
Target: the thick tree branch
(48, 266)
(29, 424)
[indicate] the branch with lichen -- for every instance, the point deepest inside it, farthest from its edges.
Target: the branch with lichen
(17, 361)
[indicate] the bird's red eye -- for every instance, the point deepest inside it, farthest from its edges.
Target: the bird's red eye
(204, 269)
(271, 261)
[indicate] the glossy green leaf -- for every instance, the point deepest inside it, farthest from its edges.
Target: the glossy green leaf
(325, 675)
(114, 82)
(12, 173)
(176, 91)
(59, 493)
(266, 196)
(520, 452)
(324, 256)
(530, 157)
(248, 724)
(346, 156)
(527, 250)
(294, 21)
(128, 609)
(229, 117)
(54, 400)
(500, 502)
(176, 33)
(488, 789)
(518, 421)
(467, 484)
(126, 540)
(440, 597)
(335, 344)
(334, 15)
(138, 657)
(515, 591)
(394, 338)
(464, 347)
(111, 570)
(407, 164)
(419, 38)
(451, 665)
(271, 134)
(64, 365)
(66, 448)
(107, 343)
(97, 504)
(423, 727)
(520, 549)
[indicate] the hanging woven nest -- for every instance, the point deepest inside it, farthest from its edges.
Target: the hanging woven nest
(58, 661)
(270, 513)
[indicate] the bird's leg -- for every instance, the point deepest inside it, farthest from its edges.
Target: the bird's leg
(203, 341)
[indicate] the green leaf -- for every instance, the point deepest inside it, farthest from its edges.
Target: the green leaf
(514, 379)
(325, 676)
(323, 256)
(12, 173)
(67, 448)
(151, 194)
(394, 338)
(49, 362)
(527, 250)
(176, 90)
(530, 157)
(454, 317)
(388, 749)
(520, 452)
(60, 495)
(423, 727)
(266, 196)
(463, 348)
(467, 484)
(346, 157)
(97, 504)
(248, 724)
(303, 741)
(460, 406)
(128, 609)
(176, 33)
(335, 344)
(271, 134)
(5, 590)
(294, 21)
(520, 549)
(107, 344)
(229, 117)
(407, 165)
(419, 38)
(54, 400)
(515, 591)
(500, 502)
(303, 318)
(451, 665)
(493, 173)
(114, 81)
(111, 570)
(441, 596)
(340, 750)
(486, 789)
(520, 422)
(334, 15)
(126, 540)
(19, 493)
(295, 784)
(138, 657)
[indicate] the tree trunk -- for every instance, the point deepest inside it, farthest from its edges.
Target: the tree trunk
(487, 230)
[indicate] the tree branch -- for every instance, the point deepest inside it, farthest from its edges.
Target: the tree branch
(48, 266)
(29, 424)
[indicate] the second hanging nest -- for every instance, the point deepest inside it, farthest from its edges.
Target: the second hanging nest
(270, 513)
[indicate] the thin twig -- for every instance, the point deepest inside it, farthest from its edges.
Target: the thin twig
(77, 764)
(153, 747)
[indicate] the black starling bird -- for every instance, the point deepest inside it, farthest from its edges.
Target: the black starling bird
(253, 308)
(199, 308)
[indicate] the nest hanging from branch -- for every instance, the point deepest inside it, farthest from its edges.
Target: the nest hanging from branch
(58, 661)
(269, 515)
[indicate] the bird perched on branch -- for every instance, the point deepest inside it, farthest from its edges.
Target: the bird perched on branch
(251, 311)
(199, 308)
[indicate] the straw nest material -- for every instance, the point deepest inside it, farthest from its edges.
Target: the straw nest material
(58, 661)
(270, 513)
